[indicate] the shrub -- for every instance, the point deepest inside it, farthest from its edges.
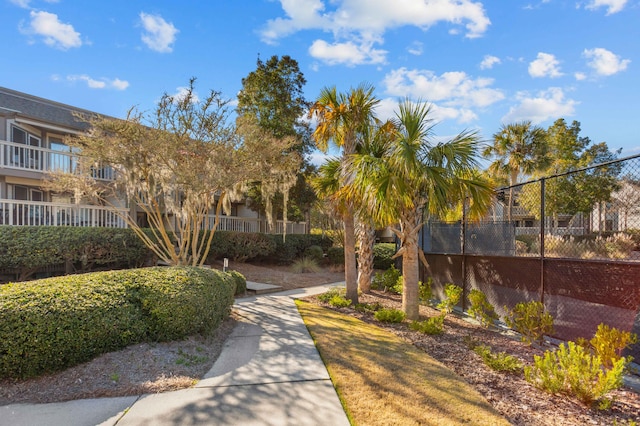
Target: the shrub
(335, 255)
(240, 282)
(47, 325)
(424, 291)
(386, 280)
(498, 361)
(481, 309)
(432, 326)
(572, 370)
(530, 320)
(389, 315)
(339, 301)
(240, 246)
(452, 297)
(608, 343)
(328, 295)
(314, 252)
(28, 248)
(294, 246)
(304, 265)
(368, 307)
(382, 255)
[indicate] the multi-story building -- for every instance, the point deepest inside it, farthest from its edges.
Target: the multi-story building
(32, 143)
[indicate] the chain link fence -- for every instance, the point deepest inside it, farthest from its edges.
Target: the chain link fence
(571, 241)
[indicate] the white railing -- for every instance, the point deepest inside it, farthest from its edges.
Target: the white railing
(36, 213)
(244, 224)
(25, 157)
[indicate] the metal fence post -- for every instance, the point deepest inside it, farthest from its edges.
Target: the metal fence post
(542, 232)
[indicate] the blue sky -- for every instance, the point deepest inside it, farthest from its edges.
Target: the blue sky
(480, 63)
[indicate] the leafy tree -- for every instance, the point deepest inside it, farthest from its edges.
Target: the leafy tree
(343, 119)
(272, 95)
(581, 190)
(176, 165)
(517, 149)
(416, 175)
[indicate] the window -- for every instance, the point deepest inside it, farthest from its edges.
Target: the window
(25, 157)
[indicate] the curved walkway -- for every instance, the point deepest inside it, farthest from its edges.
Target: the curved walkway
(268, 373)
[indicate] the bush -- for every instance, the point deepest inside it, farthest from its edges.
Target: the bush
(452, 297)
(315, 253)
(382, 254)
(335, 255)
(572, 370)
(339, 301)
(28, 248)
(481, 309)
(240, 282)
(328, 295)
(240, 246)
(424, 291)
(498, 361)
(389, 315)
(368, 307)
(305, 265)
(608, 343)
(51, 324)
(432, 326)
(530, 320)
(386, 280)
(294, 246)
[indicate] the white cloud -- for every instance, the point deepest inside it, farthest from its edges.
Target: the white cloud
(613, 6)
(580, 76)
(182, 92)
(103, 83)
(454, 88)
(548, 104)
(56, 34)
(416, 48)
(159, 34)
(546, 65)
(604, 62)
(489, 61)
(21, 3)
(348, 53)
(357, 25)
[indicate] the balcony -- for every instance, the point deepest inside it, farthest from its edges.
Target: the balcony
(37, 213)
(33, 158)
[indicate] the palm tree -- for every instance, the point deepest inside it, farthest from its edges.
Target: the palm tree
(518, 148)
(417, 176)
(343, 118)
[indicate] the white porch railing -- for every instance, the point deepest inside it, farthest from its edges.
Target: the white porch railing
(25, 157)
(244, 224)
(37, 213)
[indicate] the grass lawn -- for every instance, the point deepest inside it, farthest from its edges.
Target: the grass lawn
(383, 380)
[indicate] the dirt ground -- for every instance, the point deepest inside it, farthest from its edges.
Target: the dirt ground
(160, 367)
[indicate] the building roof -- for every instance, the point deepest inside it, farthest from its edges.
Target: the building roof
(32, 107)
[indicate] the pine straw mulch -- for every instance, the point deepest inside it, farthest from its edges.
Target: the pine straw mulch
(510, 394)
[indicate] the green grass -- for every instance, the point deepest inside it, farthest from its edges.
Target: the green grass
(383, 380)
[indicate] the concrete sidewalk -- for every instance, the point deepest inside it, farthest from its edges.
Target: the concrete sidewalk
(269, 373)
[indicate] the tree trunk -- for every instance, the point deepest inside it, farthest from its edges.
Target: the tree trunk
(350, 270)
(366, 239)
(410, 265)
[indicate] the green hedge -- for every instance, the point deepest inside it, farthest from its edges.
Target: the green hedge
(240, 246)
(48, 325)
(294, 246)
(382, 253)
(27, 248)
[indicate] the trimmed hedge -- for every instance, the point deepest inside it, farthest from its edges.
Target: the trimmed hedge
(50, 324)
(382, 253)
(294, 246)
(240, 246)
(27, 248)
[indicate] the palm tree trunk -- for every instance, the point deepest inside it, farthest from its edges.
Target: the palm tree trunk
(366, 239)
(410, 265)
(350, 270)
